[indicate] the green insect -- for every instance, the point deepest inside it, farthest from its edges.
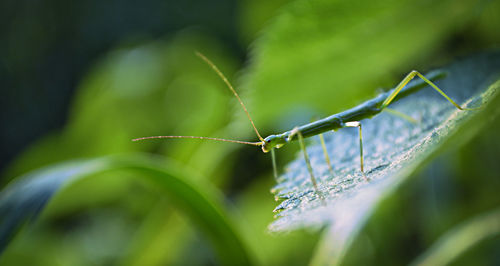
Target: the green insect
(348, 118)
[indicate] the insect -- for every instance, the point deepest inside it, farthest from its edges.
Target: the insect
(348, 118)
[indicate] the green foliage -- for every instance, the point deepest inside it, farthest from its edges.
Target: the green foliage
(103, 204)
(143, 90)
(326, 55)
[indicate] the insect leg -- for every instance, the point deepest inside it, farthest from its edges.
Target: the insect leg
(401, 115)
(296, 131)
(275, 169)
(407, 79)
(358, 125)
(327, 157)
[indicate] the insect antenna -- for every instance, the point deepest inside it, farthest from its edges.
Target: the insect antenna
(226, 81)
(196, 137)
(228, 84)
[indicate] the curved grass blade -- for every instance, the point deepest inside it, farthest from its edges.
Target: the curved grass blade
(461, 238)
(23, 200)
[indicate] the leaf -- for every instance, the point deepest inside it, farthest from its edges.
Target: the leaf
(393, 150)
(253, 16)
(325, 55)
(23, 200)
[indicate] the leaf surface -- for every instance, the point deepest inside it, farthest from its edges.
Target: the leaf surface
(394, 149)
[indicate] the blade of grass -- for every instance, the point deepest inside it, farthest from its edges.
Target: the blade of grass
(23, 200)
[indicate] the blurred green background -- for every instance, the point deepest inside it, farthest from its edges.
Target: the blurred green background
(81, 79)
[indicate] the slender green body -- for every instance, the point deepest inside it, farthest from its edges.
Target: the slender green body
(365, 110)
